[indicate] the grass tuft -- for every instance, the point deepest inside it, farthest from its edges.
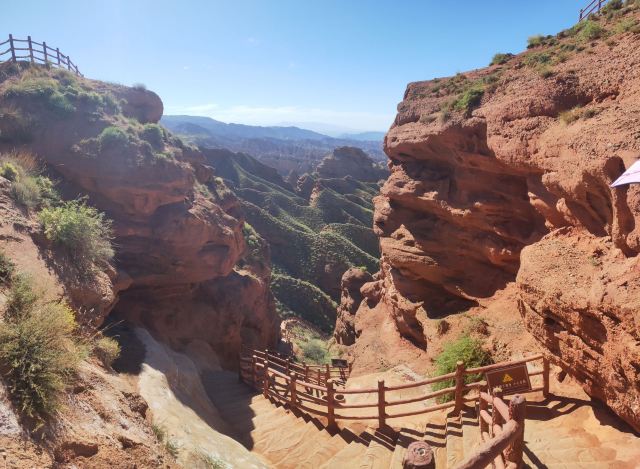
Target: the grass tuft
(81, 230)
(467, 350)
(38, 348)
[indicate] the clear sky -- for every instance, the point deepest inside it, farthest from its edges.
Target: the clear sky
(340, 62)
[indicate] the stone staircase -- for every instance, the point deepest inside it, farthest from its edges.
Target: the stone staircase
(289, 439)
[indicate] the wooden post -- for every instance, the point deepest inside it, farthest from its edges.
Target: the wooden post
(292, 390)
(58, 54)
(482, 405)
(68, 63)
(13, 50)
(254, 371)
(319, 377)
(265, 382)
(496, 418)
(513, 452)
(331, 412)
(545, 377)
(381, 405)
(288, 367)
(44, 50)
(327, 375)
(30, 48)
(306, 372)
(459, 392)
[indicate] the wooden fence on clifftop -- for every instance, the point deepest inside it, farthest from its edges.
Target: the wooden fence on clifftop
(28, 50)
(318, 390)
(594, 7)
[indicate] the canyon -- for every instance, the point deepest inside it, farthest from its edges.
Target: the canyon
(494, 223)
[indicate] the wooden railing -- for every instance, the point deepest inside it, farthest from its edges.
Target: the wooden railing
(501, 433)
(594, 7)
(320, 391)
(35, 52)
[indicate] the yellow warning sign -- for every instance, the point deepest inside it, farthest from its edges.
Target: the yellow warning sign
(511, 379)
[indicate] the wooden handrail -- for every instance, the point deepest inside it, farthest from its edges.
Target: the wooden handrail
(314, 391)
(38, 52)
(594, 7)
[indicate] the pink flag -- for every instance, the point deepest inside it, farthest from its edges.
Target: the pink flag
(630, 176)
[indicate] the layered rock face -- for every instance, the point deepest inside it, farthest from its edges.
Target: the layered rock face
(177, 230)
(517, 188)
(350, 298)
(350, 161)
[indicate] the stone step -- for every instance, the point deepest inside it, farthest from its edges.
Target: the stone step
(379, 451)
(470, 431)
(454, 441)
(314, 452)
(406, 436)
(348, 457)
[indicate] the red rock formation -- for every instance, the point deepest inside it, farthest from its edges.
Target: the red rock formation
(469, 192)
(352, 280)
(178, 230)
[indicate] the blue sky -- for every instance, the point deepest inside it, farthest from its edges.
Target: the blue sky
(340, 62)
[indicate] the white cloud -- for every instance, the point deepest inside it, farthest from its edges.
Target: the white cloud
(263, 115)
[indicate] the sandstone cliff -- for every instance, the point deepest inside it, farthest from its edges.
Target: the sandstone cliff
(178, 230)
(502, 175)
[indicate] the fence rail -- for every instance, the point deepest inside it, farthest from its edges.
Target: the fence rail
(594, 7)
(35, 52)
(320, 391)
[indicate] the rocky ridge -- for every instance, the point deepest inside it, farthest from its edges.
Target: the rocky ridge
(501, 175)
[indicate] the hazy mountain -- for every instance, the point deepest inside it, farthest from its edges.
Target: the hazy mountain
(283, 148)
(366, 136)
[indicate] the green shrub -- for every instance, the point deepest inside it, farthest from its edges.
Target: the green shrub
(112, 137)
(153, 134)
(535, 41)
(39, 354)
(211, 462)
(9, 171)
(7, 268)
(315, 351)
(139, 86)
(106, 349)
(590, 30)
(537, 58)
(467, 350)
(26, 192)
(81, 230)
(625, 25)
(469, 99)
(21, 296)
(500, 58)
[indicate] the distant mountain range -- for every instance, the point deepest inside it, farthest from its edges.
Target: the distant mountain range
(285, 148)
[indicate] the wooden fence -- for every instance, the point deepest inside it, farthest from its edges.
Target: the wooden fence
(594, 7)
(35, 52)
(319, 391)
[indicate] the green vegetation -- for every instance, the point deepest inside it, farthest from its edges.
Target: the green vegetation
(313, 345)
(28, 188)
(113, 137)
(311, 244)
(469, 99)
(162, 436)
(106, 349)
(39, 349)
(304, 300)
(153, 134)
(467, 350)
(535, 41)
(7, 268)
(81, 230)
(500, 58)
